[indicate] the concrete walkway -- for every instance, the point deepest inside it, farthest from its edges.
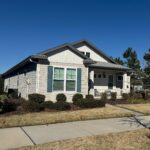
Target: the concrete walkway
(31, 135)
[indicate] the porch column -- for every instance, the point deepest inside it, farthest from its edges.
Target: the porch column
(91, 77)
(125, 80)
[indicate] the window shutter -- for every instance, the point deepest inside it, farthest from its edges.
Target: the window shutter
(79, 80)
(50, 79)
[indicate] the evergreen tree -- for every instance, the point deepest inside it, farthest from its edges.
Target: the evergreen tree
(1, 85)
(146, 79)
(119, 61)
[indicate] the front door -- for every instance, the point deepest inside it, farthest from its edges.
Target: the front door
(110, 81)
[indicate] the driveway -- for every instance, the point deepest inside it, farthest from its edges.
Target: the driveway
(31, 135)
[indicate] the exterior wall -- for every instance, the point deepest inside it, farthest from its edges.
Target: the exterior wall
(42, 74)
(66, 56)
(25, 83)
(93, 55)
(43, 77)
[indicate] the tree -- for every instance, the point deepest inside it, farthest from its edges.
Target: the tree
(1, 85)
(146, 79)
(132, 61)
(119, 61)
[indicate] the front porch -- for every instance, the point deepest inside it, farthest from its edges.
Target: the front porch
(108, 80)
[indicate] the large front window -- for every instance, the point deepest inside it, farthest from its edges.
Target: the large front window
(64, 79)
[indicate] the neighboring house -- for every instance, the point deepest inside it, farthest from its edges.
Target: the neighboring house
(71, 68)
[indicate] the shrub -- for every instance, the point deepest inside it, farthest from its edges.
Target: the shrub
(48, 104)
(88, 103)
(104, 96)
(89, 96)
(61, 105)
(31, 106)
(3, 96)
(38, 98)
(1, 106)
(12, 94)
(77, 97)
(113, 95)
(61, 97)
(125, 96)
(146, 96)
(9, 105)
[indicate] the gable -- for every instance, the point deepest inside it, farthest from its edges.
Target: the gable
(93, 55)
(66, 56)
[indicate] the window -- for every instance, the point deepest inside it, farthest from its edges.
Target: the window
(58, 82)
(70, 79)
(64, 79)
(119, 78)
(83, 53)
(99, 76)
(94, 75)
(88, 54)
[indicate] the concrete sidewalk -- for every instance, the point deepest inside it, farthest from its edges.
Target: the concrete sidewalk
(31, 135)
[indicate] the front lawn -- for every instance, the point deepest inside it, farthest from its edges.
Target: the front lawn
(58, 117)
(142, 108)
(132, 140)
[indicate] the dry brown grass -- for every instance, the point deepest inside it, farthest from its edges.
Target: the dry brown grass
(133, 140)
(143, 108)
(59, 117)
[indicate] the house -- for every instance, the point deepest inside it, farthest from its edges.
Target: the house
(77, 67)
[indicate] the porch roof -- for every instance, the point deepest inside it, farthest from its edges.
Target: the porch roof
(106, 65)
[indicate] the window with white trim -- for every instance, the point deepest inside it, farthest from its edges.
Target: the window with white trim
(58, 80)
(64, 79)
(71, 79)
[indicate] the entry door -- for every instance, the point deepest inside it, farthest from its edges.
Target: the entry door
(110, 82)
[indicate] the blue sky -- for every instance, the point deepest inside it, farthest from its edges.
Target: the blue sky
(29, 26)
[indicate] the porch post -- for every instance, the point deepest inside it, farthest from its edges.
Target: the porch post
(91, 77)
(125, 82)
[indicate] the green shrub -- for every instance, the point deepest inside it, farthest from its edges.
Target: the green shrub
(77, 97)
(1, 106)
(88, 103)
(125, 96)
(89, 96)
(61, 97)
(31, 106)
(113, 95)
(104, 96)
(38, 98)
(61, 105)
(3, 96)
(146, 96)
(48, 104)
(9, 105)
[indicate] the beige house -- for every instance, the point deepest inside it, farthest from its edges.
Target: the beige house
(70, 68)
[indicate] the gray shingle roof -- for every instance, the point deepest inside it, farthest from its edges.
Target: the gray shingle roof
(109, 66)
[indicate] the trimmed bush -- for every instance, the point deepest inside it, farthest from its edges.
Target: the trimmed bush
(104, 96)
(61, 97)
(31, 106)
(1, 106)
(9, 105)
(61, 105)
(125, 96)
(89, 96)
(77, 97)
(113, 95)
(88, 103)
(48, 104)
(37, 98)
